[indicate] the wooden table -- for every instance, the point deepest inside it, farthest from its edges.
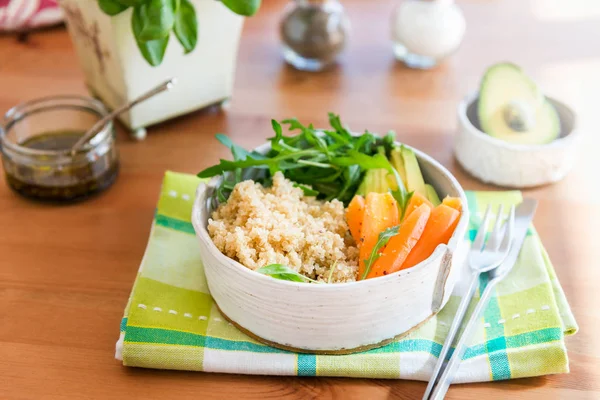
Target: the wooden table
(66, 272)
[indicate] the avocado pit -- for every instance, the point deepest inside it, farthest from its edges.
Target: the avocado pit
(519, 116)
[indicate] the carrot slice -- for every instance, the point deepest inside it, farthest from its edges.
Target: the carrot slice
(381, 212)
(399, 247)
(439, 229)
(453, 202)
(415, 201)
(354, 216)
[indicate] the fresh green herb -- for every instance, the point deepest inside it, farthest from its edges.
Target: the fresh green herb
(331, 162)
(152, 22)
(401, 195)
(279, 271)
(331, 271)
(382, 240)
(307, 190)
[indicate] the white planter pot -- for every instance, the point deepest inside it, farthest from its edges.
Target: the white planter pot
(116, 72)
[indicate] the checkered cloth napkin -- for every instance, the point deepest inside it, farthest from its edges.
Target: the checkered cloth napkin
(171, 321)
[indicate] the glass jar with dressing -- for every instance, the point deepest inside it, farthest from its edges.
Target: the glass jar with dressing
(313, 33)
(425, 32)
(36, 138)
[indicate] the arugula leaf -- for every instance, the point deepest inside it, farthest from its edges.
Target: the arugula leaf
(280, 271)
(336, 123)
(331, 163)
(186, 25)
(364, 161)
(112, 7)
(382, 240)
(152, 50)
(307, 190)
(331, 271)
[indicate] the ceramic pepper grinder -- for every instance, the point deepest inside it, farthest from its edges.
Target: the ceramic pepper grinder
(425, 32)
(313, 33)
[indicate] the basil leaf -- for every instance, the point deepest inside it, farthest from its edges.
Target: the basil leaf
(186, 26)
(158, 18)
(243, 7)
(112, 7)
(280, 271)
(152, 50)
(382, 240)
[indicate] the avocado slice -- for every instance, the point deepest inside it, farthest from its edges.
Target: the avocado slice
(398, 163)
(512, 108)
(414, 178)
(432, 195)
(377, 180)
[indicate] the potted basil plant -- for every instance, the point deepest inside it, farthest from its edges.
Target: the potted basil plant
(127, 46)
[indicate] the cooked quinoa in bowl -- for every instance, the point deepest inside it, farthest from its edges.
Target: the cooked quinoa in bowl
(260, 226)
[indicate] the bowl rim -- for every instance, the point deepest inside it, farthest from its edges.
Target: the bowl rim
(472, 129)
(439, 252)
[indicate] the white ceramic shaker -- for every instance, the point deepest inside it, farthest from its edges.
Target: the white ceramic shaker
(425, 32)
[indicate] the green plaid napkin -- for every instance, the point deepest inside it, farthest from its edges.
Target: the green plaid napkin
(171, 321)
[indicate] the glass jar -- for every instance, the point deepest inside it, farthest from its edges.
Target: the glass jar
(36, 138)
(313, 33)
(425, 32)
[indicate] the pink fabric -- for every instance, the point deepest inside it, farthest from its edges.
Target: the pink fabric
(20, 15)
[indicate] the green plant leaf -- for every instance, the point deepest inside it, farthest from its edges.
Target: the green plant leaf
(243, 7)
(382, 240)
(280, 271)
(152, 50)
(186, 25)
(112, 7)
(157, 18)
(132, 3)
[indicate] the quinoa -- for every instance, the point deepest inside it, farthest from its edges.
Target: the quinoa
(260, 226)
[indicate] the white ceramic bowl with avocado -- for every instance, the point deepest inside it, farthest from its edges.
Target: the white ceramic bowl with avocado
(511, 135)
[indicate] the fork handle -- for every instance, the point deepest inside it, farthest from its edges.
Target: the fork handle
(456, 323)
(446, 379)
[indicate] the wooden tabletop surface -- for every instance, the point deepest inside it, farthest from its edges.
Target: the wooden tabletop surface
(66, 272)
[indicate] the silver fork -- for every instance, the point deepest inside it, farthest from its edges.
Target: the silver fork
(481, 259)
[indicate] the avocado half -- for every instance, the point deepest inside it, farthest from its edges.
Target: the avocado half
(512, 108)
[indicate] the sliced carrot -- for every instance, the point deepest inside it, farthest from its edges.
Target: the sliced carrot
(381, 212)
(399, 247)
(439, 229)
(415, 201)
(354, 216)
(453, 202)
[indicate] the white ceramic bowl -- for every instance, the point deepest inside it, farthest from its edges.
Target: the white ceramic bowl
(495, 161)
(336, 318)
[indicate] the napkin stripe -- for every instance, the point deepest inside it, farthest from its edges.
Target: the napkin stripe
(175, 224)
(496, 346)
(147, 335)
(306, 365)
